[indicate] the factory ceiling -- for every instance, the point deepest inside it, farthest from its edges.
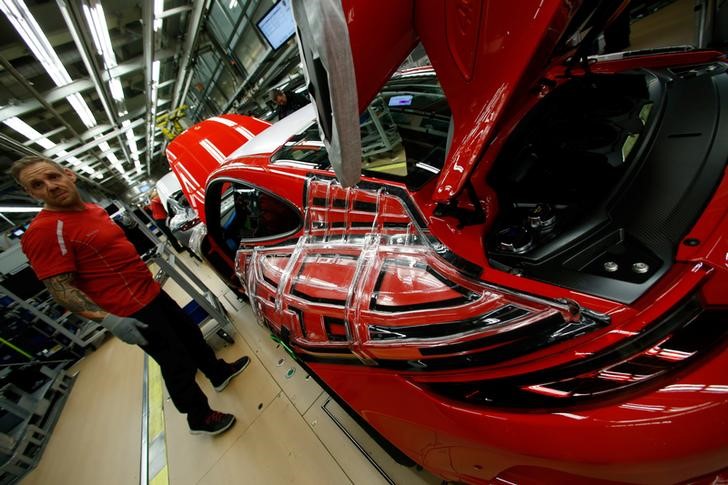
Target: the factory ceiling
(102, 86)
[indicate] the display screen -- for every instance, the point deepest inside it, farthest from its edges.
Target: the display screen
(112, 209)
(277, 25)
(18, 232)
(401, 100)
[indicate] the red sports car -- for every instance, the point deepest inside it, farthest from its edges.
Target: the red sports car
(529, 282)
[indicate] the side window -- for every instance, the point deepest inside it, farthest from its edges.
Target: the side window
(244, 213)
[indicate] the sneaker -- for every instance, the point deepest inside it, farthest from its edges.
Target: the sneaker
(214, 423)
(235, 368)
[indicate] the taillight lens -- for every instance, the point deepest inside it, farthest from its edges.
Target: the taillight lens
(680, 338)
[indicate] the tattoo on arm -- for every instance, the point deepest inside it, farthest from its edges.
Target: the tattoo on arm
(62, 290)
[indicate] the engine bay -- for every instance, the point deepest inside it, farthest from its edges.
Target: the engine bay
(598, 184)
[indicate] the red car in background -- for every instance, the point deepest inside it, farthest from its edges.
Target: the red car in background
(529, 282)
(195, 153)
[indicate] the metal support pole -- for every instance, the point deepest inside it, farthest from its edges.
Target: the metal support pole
(184, 277)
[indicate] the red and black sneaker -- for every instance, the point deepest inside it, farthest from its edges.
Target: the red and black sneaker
(213, 423)
(234, 369)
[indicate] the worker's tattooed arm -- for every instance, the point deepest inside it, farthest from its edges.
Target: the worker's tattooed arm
(63, 290)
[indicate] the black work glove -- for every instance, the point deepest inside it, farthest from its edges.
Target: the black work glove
(126, 328)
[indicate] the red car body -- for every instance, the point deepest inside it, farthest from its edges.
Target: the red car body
(460, 326)
(203, 147)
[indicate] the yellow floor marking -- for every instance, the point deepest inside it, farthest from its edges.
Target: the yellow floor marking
(161, 478)
(158, 475)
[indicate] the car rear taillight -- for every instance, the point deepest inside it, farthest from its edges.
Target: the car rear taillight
(683, 336)
(188, 225)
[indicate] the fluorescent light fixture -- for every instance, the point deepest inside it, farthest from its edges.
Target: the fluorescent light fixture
(29, 132)
(106, 149)
(96, 20)
(20, 17)
(117, 92)
(155, 72)
(92, 24)
(131, 141)
(158, 10)
(18, 14)
(33, 135)
(82, 109)
(114, 160)
(11, 208)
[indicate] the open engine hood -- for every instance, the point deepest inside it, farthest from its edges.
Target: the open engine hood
(483, 51)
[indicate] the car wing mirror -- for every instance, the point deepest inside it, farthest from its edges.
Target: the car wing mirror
(323, 42)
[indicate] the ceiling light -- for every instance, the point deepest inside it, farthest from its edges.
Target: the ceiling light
(78, 103)
(29, 132)
(155, 72)
(19, 208)
(33, 135)
(106, 149)
(158, 10)
(96, 20)
(21, 18)
(26, 25)
(131, 141)
(91, 21)
(117, 92)
(18, 14)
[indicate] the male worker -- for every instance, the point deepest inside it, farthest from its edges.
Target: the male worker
(287, 102)
(159, 214)
(90, 268)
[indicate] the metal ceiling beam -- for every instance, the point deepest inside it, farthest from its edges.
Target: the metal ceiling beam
(184, 74)
(52, 96)
(133, 65)
(18, 77)
(148, 35)
(255, 82)
(175, 11)
(79, 86)
(19, 49)
(95, 142)
(14, 146)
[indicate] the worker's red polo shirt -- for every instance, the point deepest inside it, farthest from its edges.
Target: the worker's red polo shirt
(157, 207)
(89, 244)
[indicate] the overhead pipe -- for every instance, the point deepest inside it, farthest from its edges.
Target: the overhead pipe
(184, 78)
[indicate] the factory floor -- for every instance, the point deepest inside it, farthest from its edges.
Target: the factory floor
(287, 429)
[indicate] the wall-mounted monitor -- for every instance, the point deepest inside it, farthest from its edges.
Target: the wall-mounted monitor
(277, 24)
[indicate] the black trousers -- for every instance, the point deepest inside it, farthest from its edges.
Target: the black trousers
(162, 225)
(177, 345)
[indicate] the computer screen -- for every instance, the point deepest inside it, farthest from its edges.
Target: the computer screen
(277, 25)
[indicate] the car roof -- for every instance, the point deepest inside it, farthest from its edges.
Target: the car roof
(273, 137)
